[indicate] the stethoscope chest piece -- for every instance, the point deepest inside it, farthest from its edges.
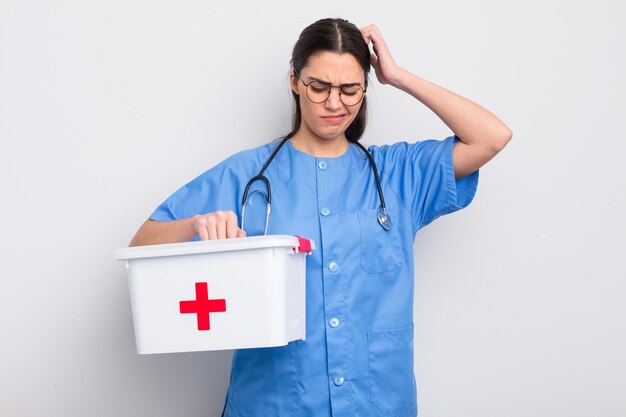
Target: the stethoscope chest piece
(383, 219)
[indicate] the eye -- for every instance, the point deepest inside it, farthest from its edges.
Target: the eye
(351, 90)
(318, 87)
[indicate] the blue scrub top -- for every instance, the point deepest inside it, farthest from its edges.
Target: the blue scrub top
(357, 359)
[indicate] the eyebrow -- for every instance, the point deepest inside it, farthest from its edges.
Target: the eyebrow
(329, 83)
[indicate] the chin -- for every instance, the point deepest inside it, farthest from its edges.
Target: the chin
(330, 134)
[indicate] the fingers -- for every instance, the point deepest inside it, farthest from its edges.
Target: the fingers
(387, 71)
(372, 34)
(220, 228)
(218, 225)
(231, 225)
(366, 33)
(212, 228)
(201, 228)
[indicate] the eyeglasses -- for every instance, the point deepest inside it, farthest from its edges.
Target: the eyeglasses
(318, 92)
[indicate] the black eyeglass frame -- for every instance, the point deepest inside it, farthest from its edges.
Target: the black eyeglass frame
(330, 86)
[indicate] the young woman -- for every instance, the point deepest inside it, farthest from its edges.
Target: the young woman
(362, 208)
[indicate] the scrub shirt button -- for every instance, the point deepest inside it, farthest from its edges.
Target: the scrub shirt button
(334, 322)
(322, 164)
(324, 211)
(338, 381)
(333, 267)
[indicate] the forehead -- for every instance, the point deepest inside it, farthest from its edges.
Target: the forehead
(334, 67)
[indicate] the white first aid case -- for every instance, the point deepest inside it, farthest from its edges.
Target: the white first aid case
(219, 294)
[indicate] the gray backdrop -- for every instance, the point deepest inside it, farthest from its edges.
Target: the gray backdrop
(106, 107)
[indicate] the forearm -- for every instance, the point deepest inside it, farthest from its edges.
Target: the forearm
(153, 232)
(471, 123)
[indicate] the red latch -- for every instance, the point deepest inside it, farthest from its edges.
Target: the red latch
(304, 245)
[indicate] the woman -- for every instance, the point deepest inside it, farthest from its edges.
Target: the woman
(357, 359)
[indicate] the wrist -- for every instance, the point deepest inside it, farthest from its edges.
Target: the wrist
(401, 79)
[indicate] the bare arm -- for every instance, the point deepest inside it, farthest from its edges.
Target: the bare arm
(482, 135)
(153, 232)
(217, 225)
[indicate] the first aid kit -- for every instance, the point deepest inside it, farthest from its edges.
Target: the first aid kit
(219, 294)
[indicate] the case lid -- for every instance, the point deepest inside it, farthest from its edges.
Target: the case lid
(210, 246)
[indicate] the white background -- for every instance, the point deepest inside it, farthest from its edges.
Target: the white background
(107, 107)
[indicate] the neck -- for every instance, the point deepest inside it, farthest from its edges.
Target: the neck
(314, 145)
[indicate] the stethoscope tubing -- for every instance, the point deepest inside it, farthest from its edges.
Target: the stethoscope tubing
(383, 218)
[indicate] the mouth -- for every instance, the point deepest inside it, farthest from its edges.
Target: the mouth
(334, 119)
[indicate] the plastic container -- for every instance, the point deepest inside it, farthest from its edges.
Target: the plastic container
(221, 294)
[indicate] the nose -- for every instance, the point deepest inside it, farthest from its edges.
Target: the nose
(334, 102)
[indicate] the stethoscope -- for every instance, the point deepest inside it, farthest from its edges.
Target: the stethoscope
(383, 217)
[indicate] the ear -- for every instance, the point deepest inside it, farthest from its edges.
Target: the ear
(293, 82)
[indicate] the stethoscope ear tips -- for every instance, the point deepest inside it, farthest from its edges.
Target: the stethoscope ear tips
(383, 219)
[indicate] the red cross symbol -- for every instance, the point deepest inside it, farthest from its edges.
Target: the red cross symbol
(202, 306)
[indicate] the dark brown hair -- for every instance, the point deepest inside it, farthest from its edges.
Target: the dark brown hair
(333, 35)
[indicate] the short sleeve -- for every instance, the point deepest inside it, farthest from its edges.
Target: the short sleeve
(216, 189)
(421, 174)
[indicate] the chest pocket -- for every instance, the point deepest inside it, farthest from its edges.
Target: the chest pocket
(380, 249)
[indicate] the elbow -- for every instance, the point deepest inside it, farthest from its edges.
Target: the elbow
(502, 139)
